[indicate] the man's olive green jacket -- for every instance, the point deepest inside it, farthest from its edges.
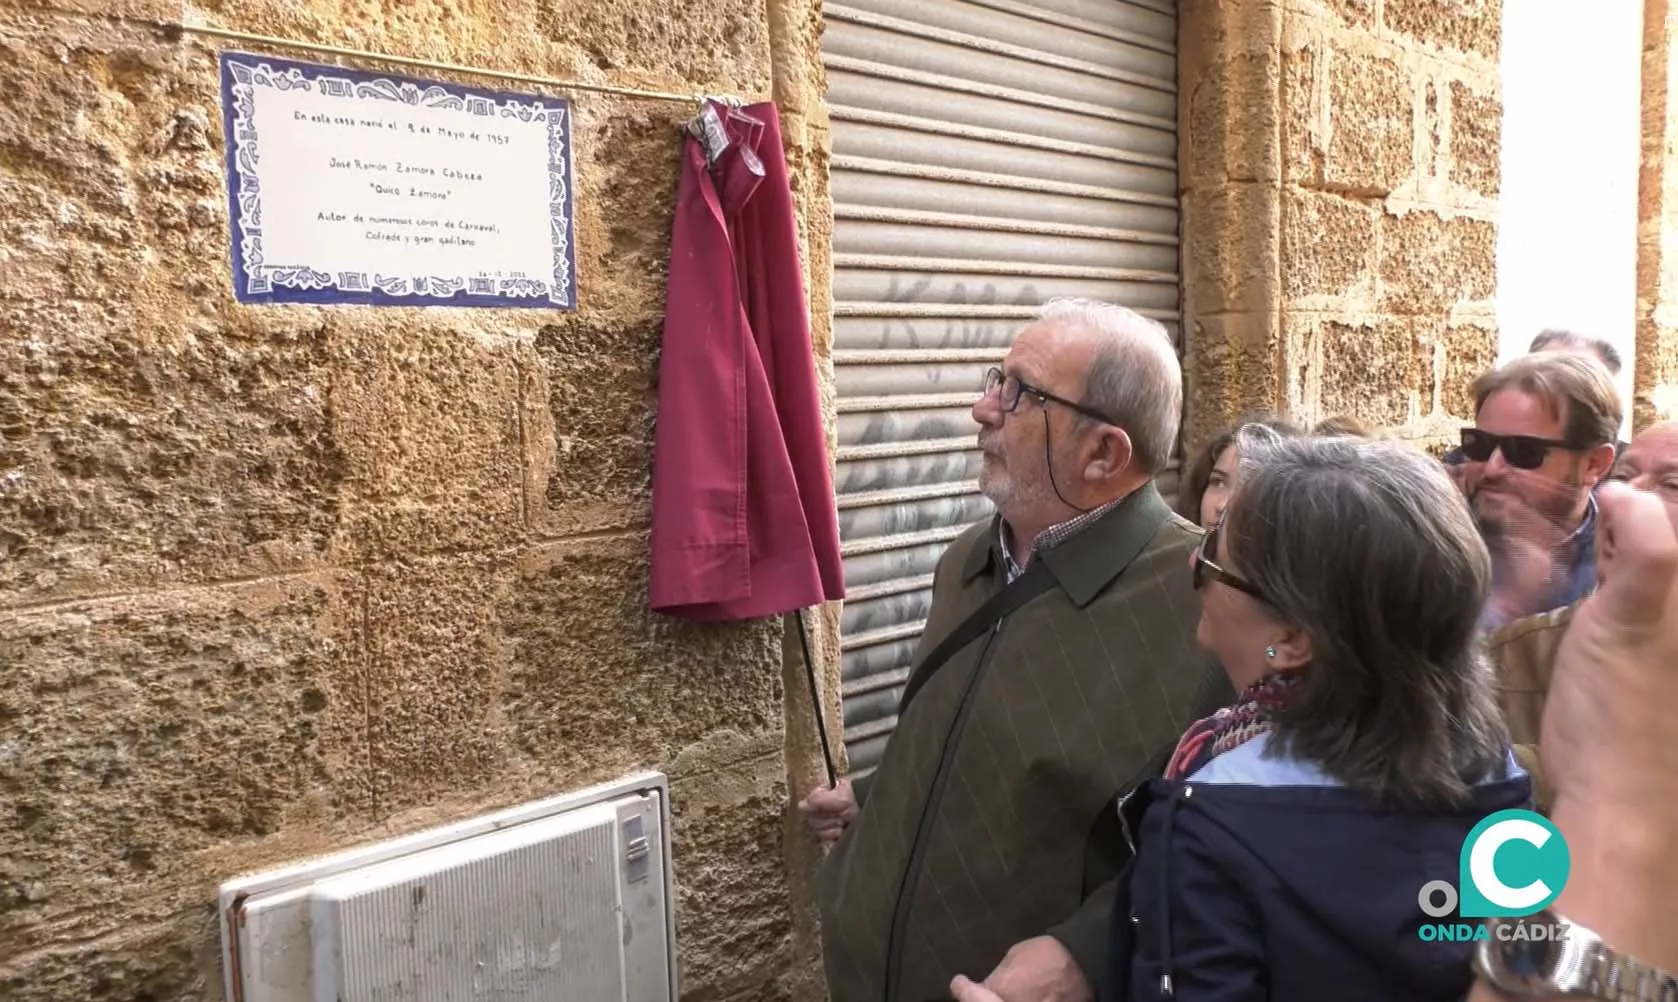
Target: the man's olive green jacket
(991, 817)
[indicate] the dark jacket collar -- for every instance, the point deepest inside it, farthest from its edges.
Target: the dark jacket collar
(1087, 563)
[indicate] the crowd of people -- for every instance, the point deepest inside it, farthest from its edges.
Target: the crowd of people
(1214, 750)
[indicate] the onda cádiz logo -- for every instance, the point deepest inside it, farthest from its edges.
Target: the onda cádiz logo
(1512, 864)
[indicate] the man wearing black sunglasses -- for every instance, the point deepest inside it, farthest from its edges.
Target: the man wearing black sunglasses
(1557, 339)
(1543, 438)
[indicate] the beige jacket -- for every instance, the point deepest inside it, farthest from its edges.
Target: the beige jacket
(1524, 654)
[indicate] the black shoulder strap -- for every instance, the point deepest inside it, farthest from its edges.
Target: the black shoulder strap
(1034, 582)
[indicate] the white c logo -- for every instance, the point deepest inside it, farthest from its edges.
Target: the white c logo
(1483, 870)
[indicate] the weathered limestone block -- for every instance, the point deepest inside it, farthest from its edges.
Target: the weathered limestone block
(592, 676)
(724, 43)
(1476, 140)
(1230, 368)
(1369, 122)
(1469, 351)
(171, 961)
(1429, 262)
(734, 915)
(1375, 371)
(137, 453)
(1359, 14)
(592, 448)
(138, 9)
(427, 422)
(434, 664)
(1467, 26)
(1230, 114)
(1229, 251)
(1329, 244)
(140, 731)
(1655, 379)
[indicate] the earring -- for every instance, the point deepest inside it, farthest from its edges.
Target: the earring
(1270, 652)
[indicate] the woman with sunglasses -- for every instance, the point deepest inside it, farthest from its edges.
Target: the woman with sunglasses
(1283, 853)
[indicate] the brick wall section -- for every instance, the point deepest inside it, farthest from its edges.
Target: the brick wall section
(1340, 179)
(276, 581)
(1655, 379)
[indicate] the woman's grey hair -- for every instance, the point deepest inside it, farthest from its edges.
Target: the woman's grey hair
(1135, 378)
(1369, 548)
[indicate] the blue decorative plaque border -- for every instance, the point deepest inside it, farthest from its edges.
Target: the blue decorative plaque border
(255, 280)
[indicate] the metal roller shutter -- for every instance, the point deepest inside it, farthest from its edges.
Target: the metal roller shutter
(988, 155)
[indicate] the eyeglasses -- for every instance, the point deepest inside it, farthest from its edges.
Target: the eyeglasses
(1013, 387)
(1523, 452)
(1206, 568)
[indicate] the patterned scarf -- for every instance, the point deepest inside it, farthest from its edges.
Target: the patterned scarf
(1249, 716)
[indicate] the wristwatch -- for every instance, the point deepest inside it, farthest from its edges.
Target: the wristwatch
(1544, 955)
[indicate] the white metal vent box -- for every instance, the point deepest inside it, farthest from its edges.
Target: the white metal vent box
(569, 899)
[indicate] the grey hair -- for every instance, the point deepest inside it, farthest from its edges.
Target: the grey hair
(1135, 378)
(1607, 353)
(1370, 549)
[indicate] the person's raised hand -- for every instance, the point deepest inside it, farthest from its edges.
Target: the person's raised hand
(1608, 741)
(1529, 540)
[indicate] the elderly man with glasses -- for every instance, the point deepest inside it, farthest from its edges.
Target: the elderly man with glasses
(1057, 669)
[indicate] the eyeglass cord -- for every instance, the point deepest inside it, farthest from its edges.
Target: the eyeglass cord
(1049, 461)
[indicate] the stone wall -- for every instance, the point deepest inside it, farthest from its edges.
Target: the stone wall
(1340, 177)
(278, 580)
(274, 581)
(1655, 377)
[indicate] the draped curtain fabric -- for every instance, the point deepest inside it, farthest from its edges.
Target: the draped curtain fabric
(744, 522)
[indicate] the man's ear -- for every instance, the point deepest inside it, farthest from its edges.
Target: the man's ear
(1598, 462)
(1113, 454)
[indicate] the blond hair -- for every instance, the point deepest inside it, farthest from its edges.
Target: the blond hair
(1576, 388)
(1340, 425)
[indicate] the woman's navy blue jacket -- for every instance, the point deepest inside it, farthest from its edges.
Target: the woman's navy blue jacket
(1264, 879)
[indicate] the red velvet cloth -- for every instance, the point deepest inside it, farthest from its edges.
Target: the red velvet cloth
(744, 523)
